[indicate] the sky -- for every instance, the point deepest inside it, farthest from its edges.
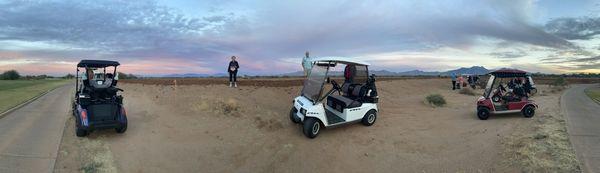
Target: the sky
(154, 38)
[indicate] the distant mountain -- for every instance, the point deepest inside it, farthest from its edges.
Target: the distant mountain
(297, 73)
(418, 73)
(478, 70)
(192, 75)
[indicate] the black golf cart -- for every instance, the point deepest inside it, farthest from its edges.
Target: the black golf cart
(97, 104)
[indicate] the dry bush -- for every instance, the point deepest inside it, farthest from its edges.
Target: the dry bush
(229, 107)
(436, 100)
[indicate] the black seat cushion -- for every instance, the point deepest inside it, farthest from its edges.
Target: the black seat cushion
(353, 91)
(339, 102)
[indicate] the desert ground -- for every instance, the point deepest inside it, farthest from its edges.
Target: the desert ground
(209, 127)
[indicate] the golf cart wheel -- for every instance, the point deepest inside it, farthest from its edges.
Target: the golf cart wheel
(369, 118)
(294, 120)
(496, 98)
(123, 128)
(311, 127)
(528, 111)
(533, 91)
(81, 132)
(483, 113)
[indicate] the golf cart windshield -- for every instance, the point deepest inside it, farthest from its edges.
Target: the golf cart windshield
(488, 87)
(313, 85)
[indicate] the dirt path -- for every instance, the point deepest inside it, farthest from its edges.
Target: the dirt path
(214, 128)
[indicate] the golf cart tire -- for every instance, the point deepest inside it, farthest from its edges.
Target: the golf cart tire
(309, 127)
(483, 113)
(81, 132)
(292, 118)
(528, 111)
(123, 128)
(367, 120)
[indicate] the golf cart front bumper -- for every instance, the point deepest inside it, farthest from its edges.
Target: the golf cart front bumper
(304, 106)
(103, 125)
(298, 111)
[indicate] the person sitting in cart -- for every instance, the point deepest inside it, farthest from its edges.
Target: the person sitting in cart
(528, 87)
(87, 80)
(87, 77)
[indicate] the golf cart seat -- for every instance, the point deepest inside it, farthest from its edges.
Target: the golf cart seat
(102, 84)
(340, 103)
(354, 91)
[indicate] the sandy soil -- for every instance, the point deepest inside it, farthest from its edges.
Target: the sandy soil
(214, 128)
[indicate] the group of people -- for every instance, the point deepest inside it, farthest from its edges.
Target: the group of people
(459, 81)
(234, 66)
(517, 89)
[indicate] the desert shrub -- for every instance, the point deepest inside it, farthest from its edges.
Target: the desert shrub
(467, 91)
(126, 76)
(436, 100)
(559, 82)
(10, 75)
(34, 77)
(229, 108)
(91, 167)
(68, 76)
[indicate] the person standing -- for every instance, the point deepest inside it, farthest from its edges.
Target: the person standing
(461, 80)
(306, 64)
(471, 81)
(453, 77)
(233, 69)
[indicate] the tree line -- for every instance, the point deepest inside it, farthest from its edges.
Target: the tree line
(15, 75)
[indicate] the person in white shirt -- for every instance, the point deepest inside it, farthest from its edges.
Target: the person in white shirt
(306, 64)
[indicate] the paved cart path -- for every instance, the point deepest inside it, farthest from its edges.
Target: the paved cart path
(583, 122)
(31, 135)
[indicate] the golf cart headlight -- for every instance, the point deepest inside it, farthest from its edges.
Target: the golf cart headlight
(303, 111)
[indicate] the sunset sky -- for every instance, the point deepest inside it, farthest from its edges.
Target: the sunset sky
(270, 37)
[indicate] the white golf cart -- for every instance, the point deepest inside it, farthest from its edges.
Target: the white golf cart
(356, 99)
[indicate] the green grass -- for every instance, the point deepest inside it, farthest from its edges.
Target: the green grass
(15, 92)
(593, 93)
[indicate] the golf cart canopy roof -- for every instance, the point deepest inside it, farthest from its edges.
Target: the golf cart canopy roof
(506, 73)
(344, 60)
(97, 63)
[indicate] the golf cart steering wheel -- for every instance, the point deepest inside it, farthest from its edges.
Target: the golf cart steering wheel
(336, 86)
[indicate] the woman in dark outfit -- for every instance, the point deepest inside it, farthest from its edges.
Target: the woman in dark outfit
(233, 69)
